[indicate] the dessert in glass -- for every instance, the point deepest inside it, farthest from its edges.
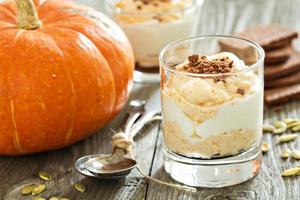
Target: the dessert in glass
(212, 107)
(152, 24)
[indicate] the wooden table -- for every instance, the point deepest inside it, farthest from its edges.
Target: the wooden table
(217, 17)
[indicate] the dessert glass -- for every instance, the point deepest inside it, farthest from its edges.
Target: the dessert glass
(212, 119)
(152, 24)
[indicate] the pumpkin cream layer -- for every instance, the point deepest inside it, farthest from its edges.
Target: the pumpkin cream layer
(208, 116)
(152, 24)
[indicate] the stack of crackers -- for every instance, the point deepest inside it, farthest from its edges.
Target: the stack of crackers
(282, 62)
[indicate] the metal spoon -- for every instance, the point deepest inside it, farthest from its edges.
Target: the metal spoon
(117, 164)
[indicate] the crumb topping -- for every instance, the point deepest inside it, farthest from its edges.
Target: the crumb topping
(158, 10)
(240, 91)
(201, 65)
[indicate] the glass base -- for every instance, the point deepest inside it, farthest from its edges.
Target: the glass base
(146, 77)
(213, 173)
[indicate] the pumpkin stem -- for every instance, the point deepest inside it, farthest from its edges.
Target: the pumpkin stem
(27, 17)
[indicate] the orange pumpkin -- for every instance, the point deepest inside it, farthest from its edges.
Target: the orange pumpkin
(65, 71)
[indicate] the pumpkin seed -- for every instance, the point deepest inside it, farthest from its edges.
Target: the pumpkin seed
(291, 172)
(296, 128)
(265, 147)
(296, 154)
(38, 189)
(293, 124)
(39, 198)
(280, 124)
(290, 120)
(80, 187)
(268, 128)
(279, 130)
(27, 189)
(287, 138)
(45, 176)
(286, 153)
(54, 198)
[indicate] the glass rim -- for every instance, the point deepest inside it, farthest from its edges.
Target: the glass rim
(194, 4)
(174, 71)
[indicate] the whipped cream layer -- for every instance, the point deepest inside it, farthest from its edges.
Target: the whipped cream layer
(152, 26)
(204, 108)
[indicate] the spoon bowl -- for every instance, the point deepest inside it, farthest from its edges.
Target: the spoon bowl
(80, 166)
(102, 167)
(111, 165)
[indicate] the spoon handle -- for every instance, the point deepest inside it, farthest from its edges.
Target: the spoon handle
(142, 122)
(130, 122)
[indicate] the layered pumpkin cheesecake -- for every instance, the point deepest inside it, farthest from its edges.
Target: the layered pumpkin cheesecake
(212, 106)
(152, 24)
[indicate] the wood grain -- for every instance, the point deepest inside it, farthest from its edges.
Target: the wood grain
(216, 17)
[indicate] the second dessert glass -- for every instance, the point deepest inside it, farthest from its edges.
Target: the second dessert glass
(212, 106)
(152, 24)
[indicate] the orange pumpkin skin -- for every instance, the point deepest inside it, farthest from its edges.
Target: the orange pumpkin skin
(63, 81)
